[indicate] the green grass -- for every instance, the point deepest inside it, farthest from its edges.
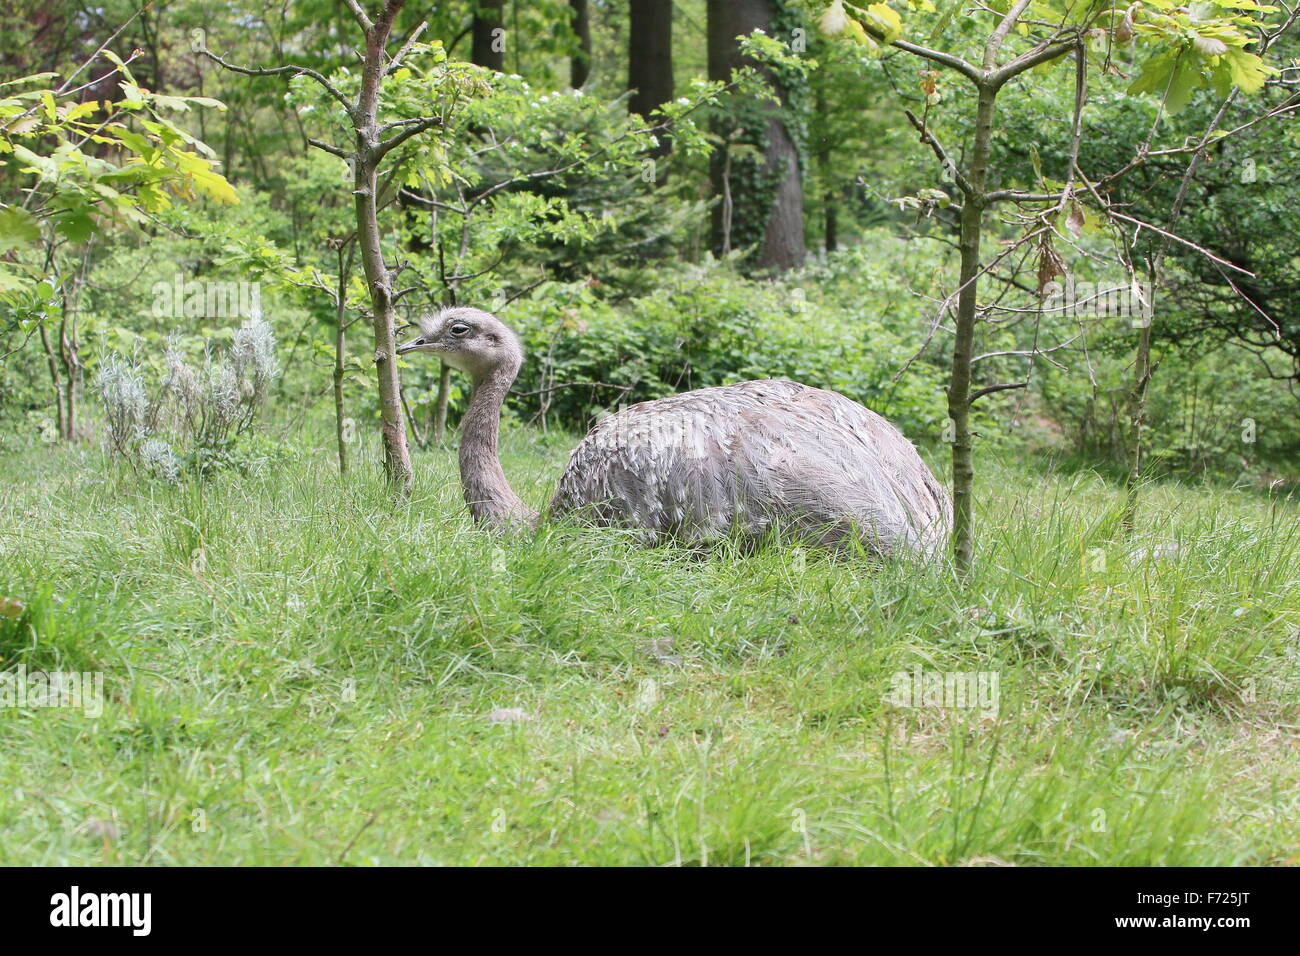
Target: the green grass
(295, 673)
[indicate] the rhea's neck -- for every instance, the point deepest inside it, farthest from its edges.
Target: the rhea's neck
(490, 498)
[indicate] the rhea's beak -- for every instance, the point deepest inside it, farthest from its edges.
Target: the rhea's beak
(411, 346)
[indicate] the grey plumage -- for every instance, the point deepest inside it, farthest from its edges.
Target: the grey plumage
(735, 460)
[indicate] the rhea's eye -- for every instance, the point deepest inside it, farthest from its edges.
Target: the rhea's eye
(460, 328)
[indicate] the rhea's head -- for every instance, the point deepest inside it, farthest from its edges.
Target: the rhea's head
(474, 341)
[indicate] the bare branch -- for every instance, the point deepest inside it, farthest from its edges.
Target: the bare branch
(406, 48)
(329, 87)
(333, 150)
(429, 203)
(1028, 353)
(62, 90)
(522, 292)
(1018, 196)
(1186, 242)
(968, 70)
(990, 389)
(359, 12)
(995, 40)
(1031, 59)
(929, 139)
(412, 127)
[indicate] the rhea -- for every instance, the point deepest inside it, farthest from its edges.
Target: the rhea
(743, 460)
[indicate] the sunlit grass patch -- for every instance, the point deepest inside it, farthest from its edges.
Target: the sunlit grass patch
(298, 672)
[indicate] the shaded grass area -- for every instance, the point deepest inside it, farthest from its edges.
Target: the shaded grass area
(297, 673)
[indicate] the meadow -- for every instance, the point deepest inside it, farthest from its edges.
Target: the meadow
(296, 672)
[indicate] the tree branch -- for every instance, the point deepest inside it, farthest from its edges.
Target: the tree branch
(406, 48)
(968, 70)
(329, 87)
(995, 40)
(333, 150)
(1027, 61)
(359, 12)
(428, 203)
(990, 389)
(929, 139)
(414, 127)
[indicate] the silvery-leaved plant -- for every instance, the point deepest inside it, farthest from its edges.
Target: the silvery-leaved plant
(159, 460)
(252, 355)
(120, 385)
(199, 407)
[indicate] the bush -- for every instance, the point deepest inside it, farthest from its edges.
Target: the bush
(1211, 415)
(835, 326)
(201, 415)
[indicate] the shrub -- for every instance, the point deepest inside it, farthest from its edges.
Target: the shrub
(201, 412)
(127, 408)
(1211, 414)
(837, 326)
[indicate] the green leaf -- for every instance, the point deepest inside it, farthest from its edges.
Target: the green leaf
(43, 165)
(887, 20)
(18, 227)
(1186, 80)
(10, 279)
(34, 78)
(75, 225)
(133, 141)
(1247, 70)
(1155, 74)
(117, 62)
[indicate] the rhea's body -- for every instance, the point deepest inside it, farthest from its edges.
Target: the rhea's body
(741, 459)
(736, 460)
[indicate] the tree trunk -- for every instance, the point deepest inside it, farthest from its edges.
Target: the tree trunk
(488, 39)
(830, 206)
(783, 245)
(340, 359)
(1142, 360)
(1137, 419)
(650, 55)
(769, 217)
(972, 220)
(340, 416)
(55, 379)
(68, 355)
(149, 33)
(379, 280)
(414, 423)
(832, 220)
(580, 63)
